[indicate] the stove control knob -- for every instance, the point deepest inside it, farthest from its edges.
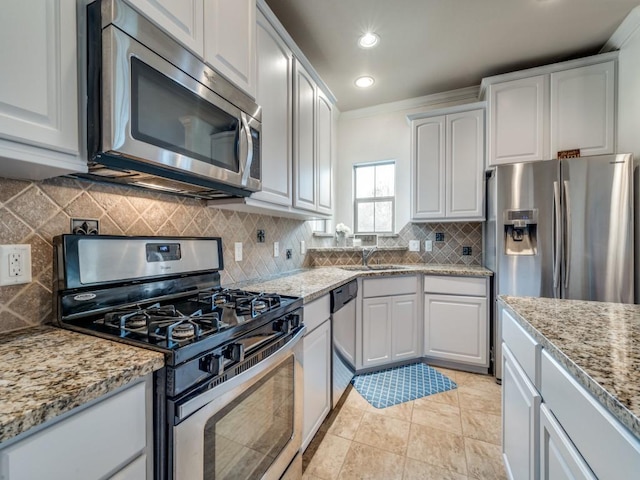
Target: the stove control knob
(212, 363)
(296, 320)
(234, 352)
(283, 325)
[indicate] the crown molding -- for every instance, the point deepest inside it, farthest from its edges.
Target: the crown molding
(461, 95)
(627, 29)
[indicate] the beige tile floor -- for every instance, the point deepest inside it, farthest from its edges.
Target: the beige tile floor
(453, 435)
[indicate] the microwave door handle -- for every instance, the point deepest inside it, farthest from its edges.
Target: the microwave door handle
(247, 159)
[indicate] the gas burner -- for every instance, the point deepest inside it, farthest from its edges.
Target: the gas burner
(183, 331)
(260, 305)
(135, 320)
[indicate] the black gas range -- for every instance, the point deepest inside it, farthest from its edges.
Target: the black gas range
(164, 294)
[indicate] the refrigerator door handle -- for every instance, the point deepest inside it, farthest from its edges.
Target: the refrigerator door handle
(567, 234)
(557, 238)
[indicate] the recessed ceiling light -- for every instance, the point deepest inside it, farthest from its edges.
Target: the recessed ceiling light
(364, 82)
(368, 40)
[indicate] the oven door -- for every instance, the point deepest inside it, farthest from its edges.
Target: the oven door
(247, 427)
(156, 114)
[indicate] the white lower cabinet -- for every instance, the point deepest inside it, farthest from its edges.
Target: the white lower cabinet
(317, 368)
(520, 410)
(109, 439)
(456, 325)
(559, 459)
(389, 329)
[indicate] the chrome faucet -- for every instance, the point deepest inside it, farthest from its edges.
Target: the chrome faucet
(366, 254)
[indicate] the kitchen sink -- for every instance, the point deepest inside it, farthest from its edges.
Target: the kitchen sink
(367, 268)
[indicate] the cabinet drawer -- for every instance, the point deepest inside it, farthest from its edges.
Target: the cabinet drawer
(524, 348)
(607, 446)
(383, 287)
(455, 285)
(317, 312)
(90, 444)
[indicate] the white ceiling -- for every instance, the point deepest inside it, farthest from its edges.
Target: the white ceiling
(432, 46)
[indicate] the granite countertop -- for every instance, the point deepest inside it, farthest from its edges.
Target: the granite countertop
(316, 282)
(598, 343)
(47, 371)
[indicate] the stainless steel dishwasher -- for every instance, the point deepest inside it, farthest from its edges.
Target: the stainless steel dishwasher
(343, 326)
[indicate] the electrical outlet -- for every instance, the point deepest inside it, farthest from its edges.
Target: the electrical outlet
(276, 249)
(15, 264)
(414, 245)
(439, 237)
(238, 251)
(303, 247)
(466, 251)
(289, 253)
(428, 246)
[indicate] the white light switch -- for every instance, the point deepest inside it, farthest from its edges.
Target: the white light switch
(303, 247)
(414, 245)
(428, 245)
(276, 249)
(238, 251)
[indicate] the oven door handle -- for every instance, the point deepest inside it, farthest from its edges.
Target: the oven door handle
(187, 408)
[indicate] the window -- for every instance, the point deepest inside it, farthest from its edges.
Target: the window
(374, 204)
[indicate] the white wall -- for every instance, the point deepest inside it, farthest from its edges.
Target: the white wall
(382, 133)
(629, 110)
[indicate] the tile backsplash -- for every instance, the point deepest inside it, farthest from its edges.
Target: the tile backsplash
(34, 212)
(449, 242)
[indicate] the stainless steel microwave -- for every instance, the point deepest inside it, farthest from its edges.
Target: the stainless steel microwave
(158, 117)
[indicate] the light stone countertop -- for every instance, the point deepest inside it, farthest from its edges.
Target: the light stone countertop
(598, 343)
(46, 371)
(315, 282)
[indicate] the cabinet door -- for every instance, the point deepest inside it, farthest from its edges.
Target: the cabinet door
(324, 145)
(404, 328)
(518, 111)
(230, 40)
(275, 63)
(428, 152)
(376, 331)
(465, 165)
(456, 328)
(317, 380)
(520, 413)
(559, 459)
(182, 20)
(38, 84)
(304, 162)
(582, 109)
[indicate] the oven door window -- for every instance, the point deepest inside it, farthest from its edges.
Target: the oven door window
(170, 116)
(244, 438)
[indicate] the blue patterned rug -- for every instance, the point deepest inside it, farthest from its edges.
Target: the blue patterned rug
(401, 384)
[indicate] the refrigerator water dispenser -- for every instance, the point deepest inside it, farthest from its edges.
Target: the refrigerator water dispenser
(520, 227)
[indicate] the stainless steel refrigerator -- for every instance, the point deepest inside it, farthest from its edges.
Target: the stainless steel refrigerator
(561, 229)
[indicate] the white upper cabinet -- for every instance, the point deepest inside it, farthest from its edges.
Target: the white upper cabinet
(583, 109)
(304, 104)
(222, 32)
(448, 165)
(324, 145)
(230, 40)
(465, 165)
(517, 113)
(275, 63)
(429, 167)
(182, 20)
(39, 90)
(537, 113)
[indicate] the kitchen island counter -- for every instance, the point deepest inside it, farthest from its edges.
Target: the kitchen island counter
(315, 282)
(47, 371)
(597, 343)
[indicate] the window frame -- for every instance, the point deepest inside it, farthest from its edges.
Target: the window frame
(374, 199)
